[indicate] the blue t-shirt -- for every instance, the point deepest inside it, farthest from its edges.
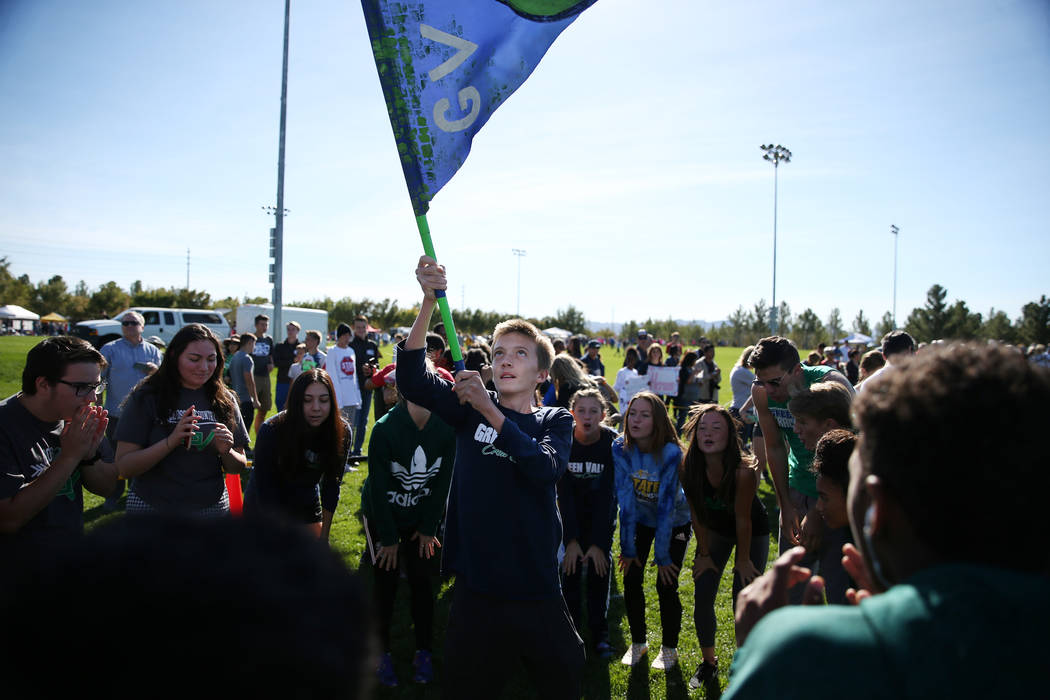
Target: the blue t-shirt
(125, 368)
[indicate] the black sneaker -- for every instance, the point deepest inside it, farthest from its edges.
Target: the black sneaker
(706, 673)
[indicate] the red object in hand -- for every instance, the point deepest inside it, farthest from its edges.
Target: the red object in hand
(233, 486)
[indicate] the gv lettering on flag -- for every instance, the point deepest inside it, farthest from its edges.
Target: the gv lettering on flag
(446, 65)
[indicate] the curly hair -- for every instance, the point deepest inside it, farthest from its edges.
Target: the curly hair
(831, 456)
(955, 434)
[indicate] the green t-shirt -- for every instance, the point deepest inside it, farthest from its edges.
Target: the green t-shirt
(951, 631)
(799, 458)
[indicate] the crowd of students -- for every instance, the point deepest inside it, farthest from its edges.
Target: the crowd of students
(515, 472)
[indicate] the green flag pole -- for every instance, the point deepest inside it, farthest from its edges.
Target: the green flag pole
(442, 299)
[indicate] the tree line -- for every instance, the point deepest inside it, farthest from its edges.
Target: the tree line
(936, 319)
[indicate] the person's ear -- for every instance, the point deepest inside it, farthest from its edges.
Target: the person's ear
(42, 384)
(878, 505)
(542, 375)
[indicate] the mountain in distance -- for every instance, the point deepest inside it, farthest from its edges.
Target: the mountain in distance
(617, 328)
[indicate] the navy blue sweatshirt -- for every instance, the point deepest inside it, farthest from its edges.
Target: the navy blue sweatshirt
(502, 529)
(586, 493)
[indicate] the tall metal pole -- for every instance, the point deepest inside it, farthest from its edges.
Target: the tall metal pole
(278, 248)
(775, 154)
(520, 253)
(894, 230)
(187, 269)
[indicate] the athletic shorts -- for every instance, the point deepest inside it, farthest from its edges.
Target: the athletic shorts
(262, 388)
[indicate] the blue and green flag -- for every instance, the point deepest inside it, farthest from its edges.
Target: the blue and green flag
(446, 65)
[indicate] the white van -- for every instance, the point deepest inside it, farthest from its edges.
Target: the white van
(308, 320)
(163, 323)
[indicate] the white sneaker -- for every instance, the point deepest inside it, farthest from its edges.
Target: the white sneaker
(667, 658)
(634, 654)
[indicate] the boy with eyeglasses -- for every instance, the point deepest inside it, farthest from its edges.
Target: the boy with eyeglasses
(50, 440)
(780, 376)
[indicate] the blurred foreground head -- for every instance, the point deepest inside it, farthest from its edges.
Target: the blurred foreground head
(954, 441)
(172, 607)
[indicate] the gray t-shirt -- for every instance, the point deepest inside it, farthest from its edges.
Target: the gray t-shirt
(242, 362)
(186, 480)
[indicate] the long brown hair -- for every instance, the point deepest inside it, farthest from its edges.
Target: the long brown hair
(663, 428)
(166, 383)
(294, 435)
(694, 465)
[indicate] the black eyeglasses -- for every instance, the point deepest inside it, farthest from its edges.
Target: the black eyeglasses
(85, 388)
(773, 382)
(130, 323)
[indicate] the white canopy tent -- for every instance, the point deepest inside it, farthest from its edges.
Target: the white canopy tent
(555, 332)
(856, 338)
(17, 317)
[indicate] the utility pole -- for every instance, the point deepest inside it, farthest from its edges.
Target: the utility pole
(894, 230)
(187, 269)
(775, 155)
(520, 253)
(277, 233)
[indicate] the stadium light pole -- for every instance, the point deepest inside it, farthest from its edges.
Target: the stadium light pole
(775, 155)
(894, 230)
(520, 253)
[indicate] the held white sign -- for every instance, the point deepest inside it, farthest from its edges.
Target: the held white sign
(663, 380)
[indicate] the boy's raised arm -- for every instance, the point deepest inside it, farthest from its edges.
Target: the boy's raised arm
(430, 276)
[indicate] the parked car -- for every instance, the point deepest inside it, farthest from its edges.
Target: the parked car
(163, 323)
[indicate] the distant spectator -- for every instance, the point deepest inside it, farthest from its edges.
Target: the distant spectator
(283, 357)
(592, 360)
(871, 362)
(896, 346)
(623, 386)
(129, 360)
(367, 356)
(262, 357)
(852, 368)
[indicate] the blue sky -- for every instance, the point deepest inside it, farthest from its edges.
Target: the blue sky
(628, 166)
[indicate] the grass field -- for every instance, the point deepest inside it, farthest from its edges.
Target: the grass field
(602, 679)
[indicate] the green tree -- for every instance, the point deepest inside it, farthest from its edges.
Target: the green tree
(884, 326)
(52, 295)
(861, 323)
(737, 328)
(759, 326)
(834, 326)
(784, 319)
(108, 300)
(998, 327)
(807, 328)
(14, 290)
(931, 321)
(1034, 324)
(962, 324)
